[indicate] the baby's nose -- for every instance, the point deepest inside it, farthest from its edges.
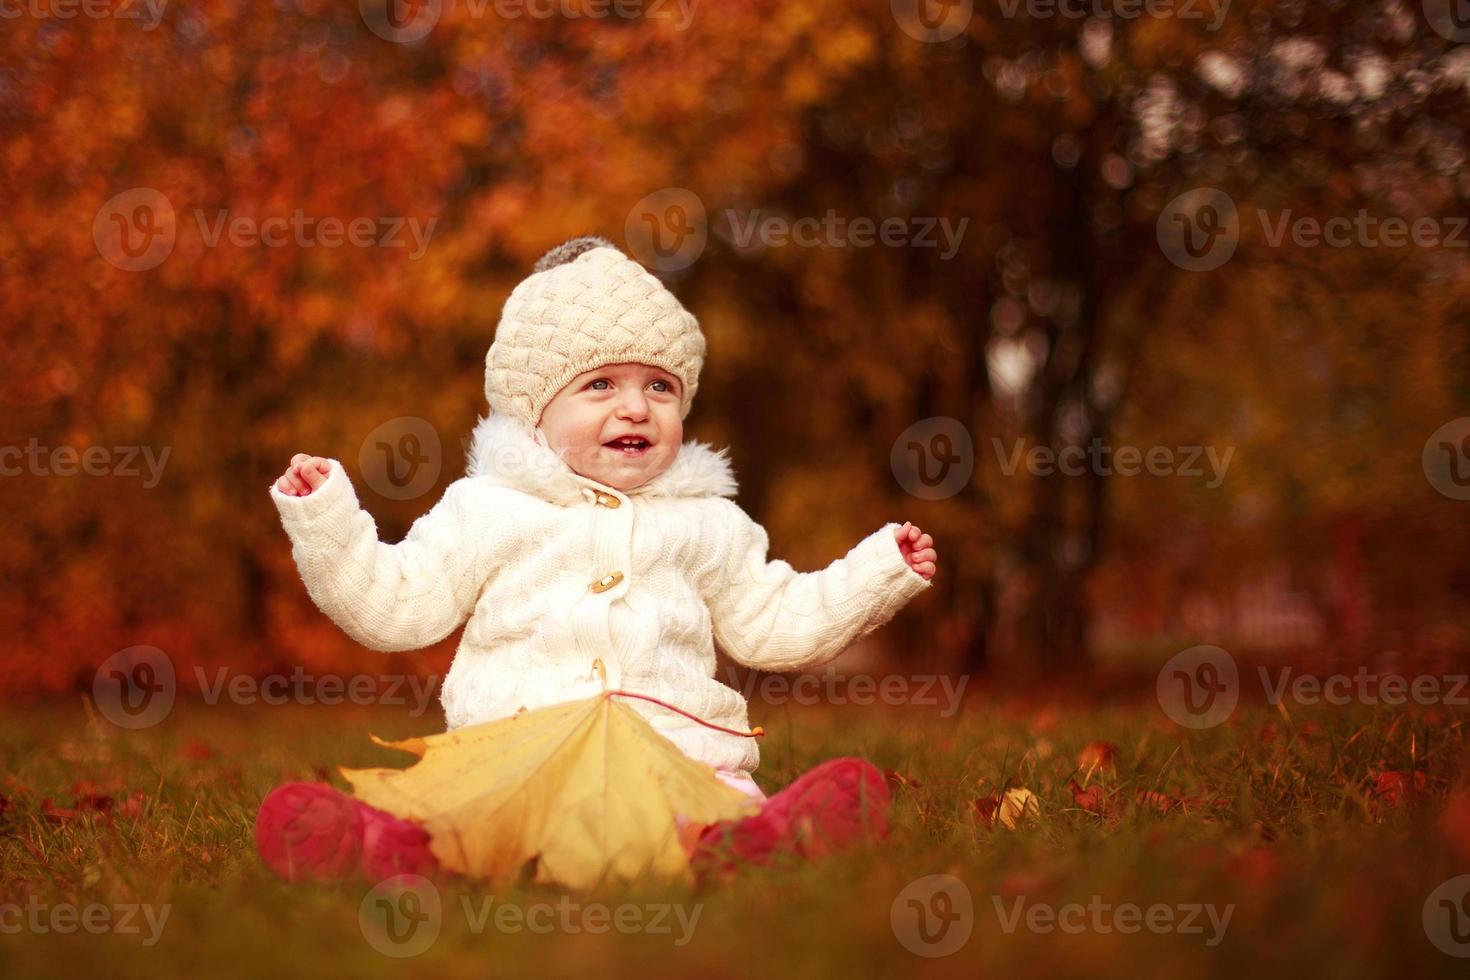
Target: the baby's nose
(633, 405)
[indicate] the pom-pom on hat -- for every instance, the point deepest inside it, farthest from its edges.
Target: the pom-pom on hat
(586, 304)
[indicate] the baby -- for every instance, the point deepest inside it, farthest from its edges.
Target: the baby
(586, 531)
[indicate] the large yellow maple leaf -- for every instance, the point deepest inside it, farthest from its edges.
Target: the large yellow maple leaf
(588, 789)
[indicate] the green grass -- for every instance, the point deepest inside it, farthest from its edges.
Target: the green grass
(1325, 879)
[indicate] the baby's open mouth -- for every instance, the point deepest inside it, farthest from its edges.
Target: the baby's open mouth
(629, 446)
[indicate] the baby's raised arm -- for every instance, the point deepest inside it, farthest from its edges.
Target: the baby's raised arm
(389, 597)
(767, 615)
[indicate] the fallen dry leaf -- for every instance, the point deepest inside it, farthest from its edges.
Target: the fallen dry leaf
(1011, 809)
(586, 790)
(1017, 806)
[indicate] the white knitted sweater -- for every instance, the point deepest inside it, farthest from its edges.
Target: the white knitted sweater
(555, 571)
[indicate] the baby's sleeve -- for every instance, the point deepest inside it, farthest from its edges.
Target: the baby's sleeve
(394, 597)
(767, 615)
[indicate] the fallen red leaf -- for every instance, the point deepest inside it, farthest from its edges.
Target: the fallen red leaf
(897, 780)
(1097, 755)
(1257, 867)
(1454, 823)
(1394, 786)
(1158, 801)
(1088, 799)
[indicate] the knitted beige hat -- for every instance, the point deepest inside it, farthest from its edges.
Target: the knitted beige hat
(586, 304)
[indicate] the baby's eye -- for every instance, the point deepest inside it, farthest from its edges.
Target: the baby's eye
(666, 386)
(599, 381)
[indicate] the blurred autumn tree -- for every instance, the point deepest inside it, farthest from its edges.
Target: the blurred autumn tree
(1058, 320)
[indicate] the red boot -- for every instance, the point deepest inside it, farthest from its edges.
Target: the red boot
(829, 808)
(310, 831)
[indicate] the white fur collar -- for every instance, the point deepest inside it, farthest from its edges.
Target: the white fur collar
(509, 453)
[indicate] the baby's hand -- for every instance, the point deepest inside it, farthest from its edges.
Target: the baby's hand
(917, 549)
(304, 475)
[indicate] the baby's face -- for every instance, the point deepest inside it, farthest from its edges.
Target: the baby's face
(616, 400)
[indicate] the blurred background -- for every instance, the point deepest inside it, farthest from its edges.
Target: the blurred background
(1153, 315)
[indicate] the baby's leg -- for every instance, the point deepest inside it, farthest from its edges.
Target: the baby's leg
(827, 809)
(742, 781)
(310, 831)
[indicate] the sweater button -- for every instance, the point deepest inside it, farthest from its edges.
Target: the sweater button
(607, 582)
(608, 500)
